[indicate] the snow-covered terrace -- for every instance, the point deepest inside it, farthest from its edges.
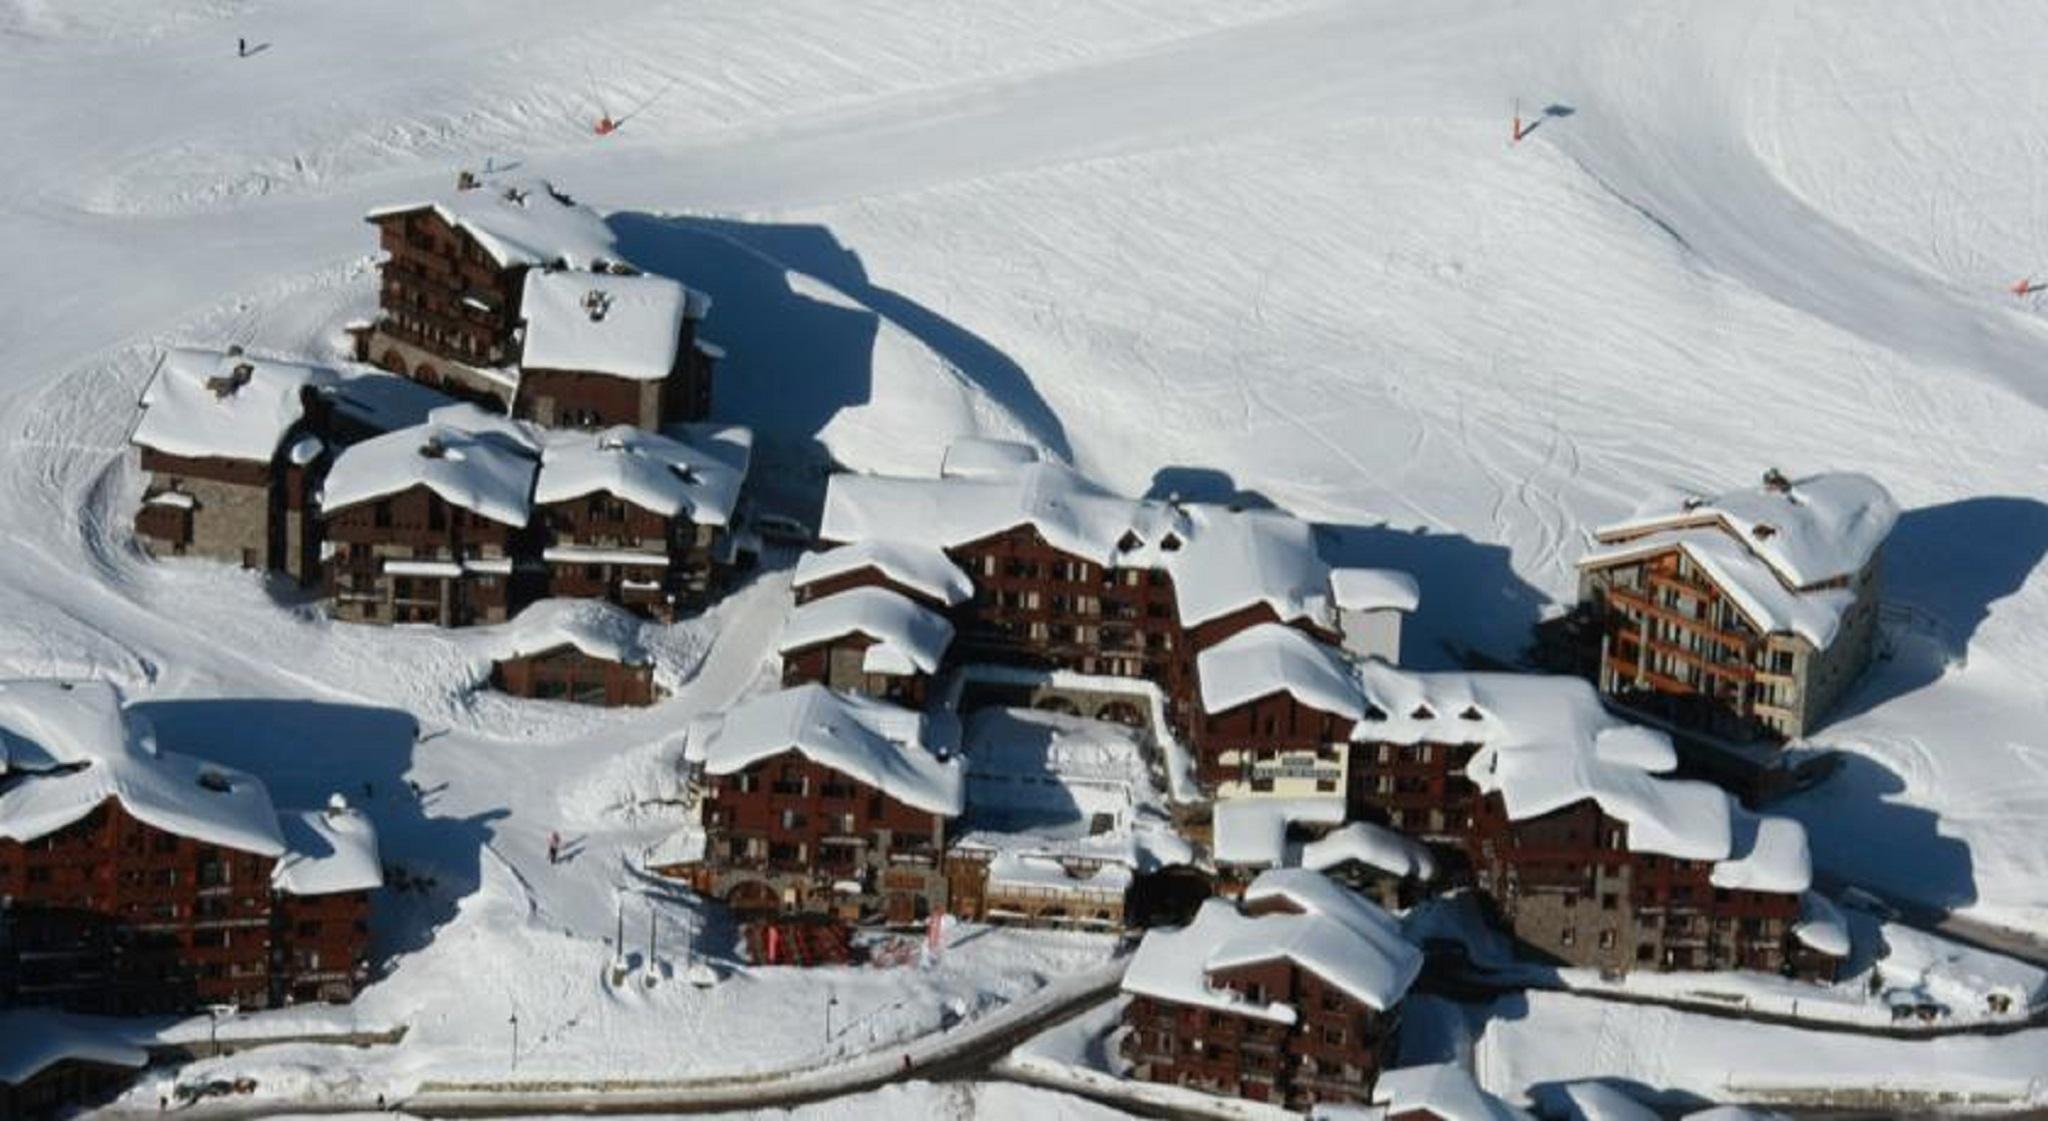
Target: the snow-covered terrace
(33, 1040)
(328, 850)
(486, 473)
(1222, 559)
(210, 404)
(905, 754)
(521, 221)
(593, 322)
(1327, 930)
(908, 637)
(688, 470)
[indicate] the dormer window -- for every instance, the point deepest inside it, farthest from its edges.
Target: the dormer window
(1422, 712)
(1471, 713)
(1375, 713)
(214, 781)
(1130, 542)
(1170, 543)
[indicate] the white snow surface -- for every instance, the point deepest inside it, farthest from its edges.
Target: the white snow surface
(480, 472)
(625, 326)
(1193, 245)
(328, 850)
(903, 753)
(909, 637)
(1252, 830)
(920, 568)
(1375, 846)
(693, 471)
(196, 406)
(1375, 589)
(1274, 658)
(1446, 1090)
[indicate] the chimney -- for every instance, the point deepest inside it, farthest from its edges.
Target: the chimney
(225, 386)
(466, 180)
(336, 805)
(1775, 480)
(434, 448)
(596, 303)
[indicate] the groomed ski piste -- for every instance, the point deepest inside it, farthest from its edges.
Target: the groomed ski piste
(1281, 251)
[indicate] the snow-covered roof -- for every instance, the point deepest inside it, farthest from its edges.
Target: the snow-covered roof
(691, 470)
(1752, 584)
(1821, 926)
(1252, 831)
(328, 851)
(626, 326)
(474, 418)
(1446, 1090)
(1221, 559)
(1374, 846)
(520, 221)
(1546, 743)
(594, 627)
(1374, 589)
(1767, 546)
(209, 404)
(71, 749)
(909, 637)
(885, 746)
(486, 473)
(983, 457)
(921, 568)
(1808, 530)
(1337, 935)
(1274, 658)
(1593, 1100)
(33, 1040)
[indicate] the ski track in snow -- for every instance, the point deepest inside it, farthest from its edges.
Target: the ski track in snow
(1287, 245)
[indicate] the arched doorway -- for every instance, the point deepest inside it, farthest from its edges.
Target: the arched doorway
(392, 361)
(752, 899)
(1056, 703)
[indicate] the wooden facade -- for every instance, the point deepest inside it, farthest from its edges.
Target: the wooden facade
(1676, 644)
(840, 664)
(600, 546)
(453, 566)
(564, 673)
(449, 310)
(1332, 1052)
(594, 399)
(789, 834)
(1566, 884)
(112, 915)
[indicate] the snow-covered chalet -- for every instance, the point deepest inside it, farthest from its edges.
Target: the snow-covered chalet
(138, 880)
(1746, 612)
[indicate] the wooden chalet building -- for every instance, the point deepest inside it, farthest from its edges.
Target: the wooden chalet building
(1288, 996)
(1040, 569)
(232, 451)
(812, 801)
(1745, 614)
(1556, 811)
(575, 651)
(139, 881)
(870, 640)
(426, 525)
(640, 519)
(509, 293)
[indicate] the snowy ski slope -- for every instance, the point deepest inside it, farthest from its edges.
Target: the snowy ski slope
(1279, 249)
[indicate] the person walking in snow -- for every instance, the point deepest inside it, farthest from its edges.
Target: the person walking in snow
(554, 847)
(241, 48)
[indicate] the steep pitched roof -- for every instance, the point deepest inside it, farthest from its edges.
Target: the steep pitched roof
(1271, 658)
(919, 567)
(887, 747)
